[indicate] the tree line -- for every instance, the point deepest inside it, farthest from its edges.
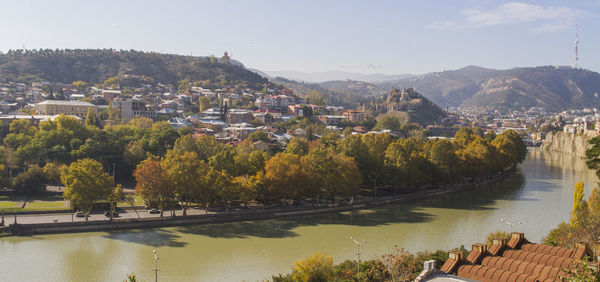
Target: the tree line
(172, 168)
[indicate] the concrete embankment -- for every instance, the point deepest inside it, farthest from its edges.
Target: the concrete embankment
(568, 143)
(123, 224)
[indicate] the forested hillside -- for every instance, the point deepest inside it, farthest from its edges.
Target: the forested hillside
(97, 65)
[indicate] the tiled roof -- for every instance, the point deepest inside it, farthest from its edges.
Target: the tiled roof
(515, 260)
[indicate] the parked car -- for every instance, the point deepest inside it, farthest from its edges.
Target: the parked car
(107, 214)
(153, 211)
(79, 214)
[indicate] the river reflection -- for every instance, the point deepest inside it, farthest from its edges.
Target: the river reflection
(539, 195)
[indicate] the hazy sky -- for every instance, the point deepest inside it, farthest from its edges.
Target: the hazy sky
(358, 36)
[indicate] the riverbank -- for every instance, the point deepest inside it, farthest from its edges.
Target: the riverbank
(235, 216)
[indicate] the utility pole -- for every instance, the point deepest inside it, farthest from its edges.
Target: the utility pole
(358, 245)
(155, 266)
(510, 223)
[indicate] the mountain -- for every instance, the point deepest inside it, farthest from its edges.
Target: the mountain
(555, 88)
(316, 77)
(358, 87)
(96, 65)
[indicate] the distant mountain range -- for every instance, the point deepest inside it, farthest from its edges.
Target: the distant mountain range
(555, 88)
(317, 77)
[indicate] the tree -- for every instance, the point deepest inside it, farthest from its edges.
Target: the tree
(152, 184)
(315, 97)
(90, 119)
(284, 177)
(248, 187)
(183, 172)
(31, 182)
(463, 137)
(258, 135)
(52, 172)
(80, 85)
(113, 198)
(388, 122)
(85, 183)
(579, 212)
(297, 146)
(256, 161)
(442, 154)
(141, 122)
(317, 268)
(204, 103)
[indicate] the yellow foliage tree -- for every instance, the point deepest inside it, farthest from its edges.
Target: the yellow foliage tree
(318, 267)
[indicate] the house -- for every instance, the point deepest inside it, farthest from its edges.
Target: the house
(353, 115)
(515, 259)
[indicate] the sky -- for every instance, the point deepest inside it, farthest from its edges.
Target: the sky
(371, 36)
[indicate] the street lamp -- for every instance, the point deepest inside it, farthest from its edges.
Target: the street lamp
(510, 223)
(358, 245)
(155, 266)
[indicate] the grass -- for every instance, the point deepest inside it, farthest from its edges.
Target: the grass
(138, 202)
(46, 204)
(5, 205)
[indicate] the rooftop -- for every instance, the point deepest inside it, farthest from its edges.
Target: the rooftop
(67, 103)
(515, 259)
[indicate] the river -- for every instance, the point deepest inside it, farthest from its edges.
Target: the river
(539, 195)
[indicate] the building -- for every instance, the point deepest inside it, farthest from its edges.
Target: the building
(353, 115)
(130, 108)
(55, 107)
(238, 116)
(515, 259)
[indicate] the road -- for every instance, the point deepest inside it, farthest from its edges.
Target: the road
(67, 217)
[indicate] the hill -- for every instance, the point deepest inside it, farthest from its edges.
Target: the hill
(409, 106)
(96, 65)
(555, 88)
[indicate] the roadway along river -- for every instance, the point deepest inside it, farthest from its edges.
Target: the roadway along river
(539, 196)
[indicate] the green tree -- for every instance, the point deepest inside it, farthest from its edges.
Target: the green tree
(183, 172)
(113, 198)
(315, 97)
(85, 183)
(30, 182)
(80, 85)
(90, 119)
(388, 122)
(297, 146)
(52, 172)
(204, 103)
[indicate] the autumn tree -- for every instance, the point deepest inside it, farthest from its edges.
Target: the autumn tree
(85, 183)
(284, 177)
(318, 267)
(152, 184)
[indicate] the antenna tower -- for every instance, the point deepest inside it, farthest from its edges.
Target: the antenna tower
(576, 55)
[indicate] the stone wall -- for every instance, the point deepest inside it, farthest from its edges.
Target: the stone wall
(572, 144)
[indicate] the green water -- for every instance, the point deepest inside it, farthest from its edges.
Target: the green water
(539, 196)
